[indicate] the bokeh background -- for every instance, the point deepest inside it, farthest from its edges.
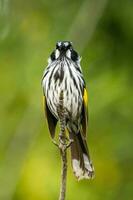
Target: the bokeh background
(102, 32)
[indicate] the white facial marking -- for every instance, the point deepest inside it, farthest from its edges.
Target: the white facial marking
(66, 44)
(57, 53)
(68, 53)
(59, 44)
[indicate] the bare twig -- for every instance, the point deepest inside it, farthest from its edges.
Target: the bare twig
(64, 143)
(62, 147)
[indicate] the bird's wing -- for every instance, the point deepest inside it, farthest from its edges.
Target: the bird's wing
(51, 120)
(84, 121)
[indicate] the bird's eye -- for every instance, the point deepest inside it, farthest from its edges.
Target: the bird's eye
(69, 46)
(57, 46)
(52, 56)
(74, 55)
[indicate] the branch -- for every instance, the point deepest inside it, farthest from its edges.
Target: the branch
(64, 143)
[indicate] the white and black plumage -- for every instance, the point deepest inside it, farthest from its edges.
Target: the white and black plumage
(64, 73)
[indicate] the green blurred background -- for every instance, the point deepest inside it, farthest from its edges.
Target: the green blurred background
(102, 32)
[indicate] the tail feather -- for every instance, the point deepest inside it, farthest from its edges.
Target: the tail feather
(81, 164)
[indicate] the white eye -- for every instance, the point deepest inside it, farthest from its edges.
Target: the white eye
(57, 53)
(68, 53)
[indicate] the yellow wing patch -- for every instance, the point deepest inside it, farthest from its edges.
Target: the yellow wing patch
(85, 112)
(85, 97)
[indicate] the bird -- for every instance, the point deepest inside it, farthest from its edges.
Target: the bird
(64, 73)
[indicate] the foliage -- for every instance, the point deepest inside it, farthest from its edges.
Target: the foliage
(102, 32)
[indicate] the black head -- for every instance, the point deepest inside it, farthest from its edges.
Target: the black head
(63, 46)
(64, 49)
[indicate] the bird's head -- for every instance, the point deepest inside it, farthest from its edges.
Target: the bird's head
(64, 49)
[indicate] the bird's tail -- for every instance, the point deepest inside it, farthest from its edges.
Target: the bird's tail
(81, 164)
